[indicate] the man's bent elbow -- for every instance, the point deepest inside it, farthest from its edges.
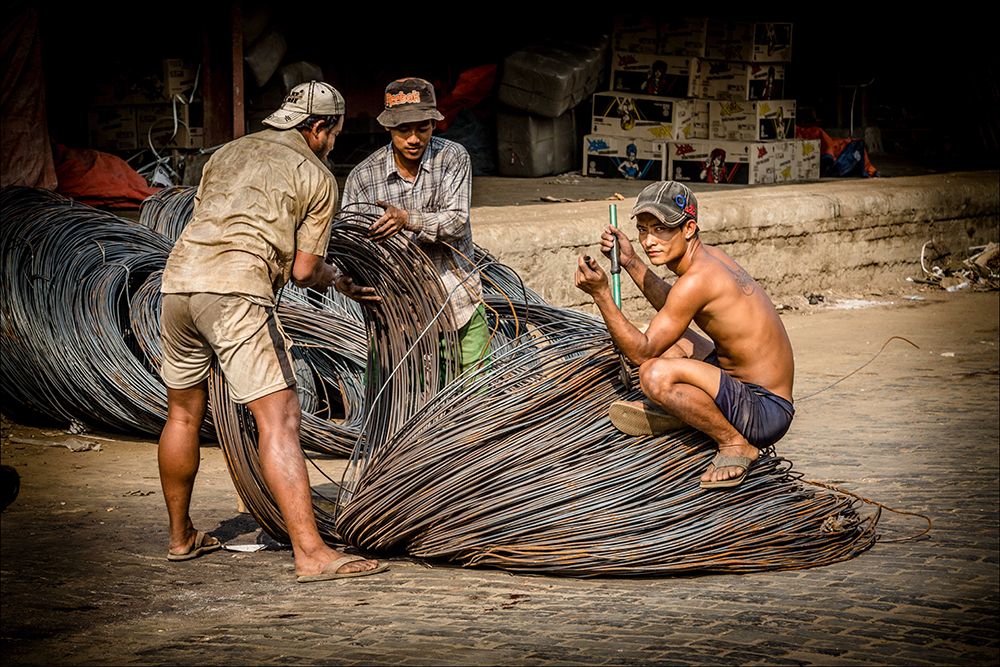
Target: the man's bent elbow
(307, 269)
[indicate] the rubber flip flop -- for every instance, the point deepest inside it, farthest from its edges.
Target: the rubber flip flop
(330, 570)
(642, 418)
(721, 461)
(197, 549)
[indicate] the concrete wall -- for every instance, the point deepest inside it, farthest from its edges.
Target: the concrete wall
(849, 235)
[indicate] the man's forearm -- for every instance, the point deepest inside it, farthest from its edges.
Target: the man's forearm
(632, 342)
(654, 288)
(450, 225)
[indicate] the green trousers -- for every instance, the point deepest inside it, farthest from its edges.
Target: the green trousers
(474, 341)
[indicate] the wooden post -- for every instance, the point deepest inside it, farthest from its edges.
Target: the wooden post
(222, 69)
(239, 121)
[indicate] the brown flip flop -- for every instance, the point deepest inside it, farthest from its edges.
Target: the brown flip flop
(721, 461)
(330, 570)
(198, 548)
(642, 418)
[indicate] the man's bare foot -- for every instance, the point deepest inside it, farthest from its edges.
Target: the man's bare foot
(314, 564)
(193, 544)
(743, 449)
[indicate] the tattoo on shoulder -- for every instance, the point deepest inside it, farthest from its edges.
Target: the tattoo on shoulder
(742, 280)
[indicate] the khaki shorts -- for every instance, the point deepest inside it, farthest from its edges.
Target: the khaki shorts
(247, 337)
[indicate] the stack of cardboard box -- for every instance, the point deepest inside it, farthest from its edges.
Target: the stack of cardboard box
(146, 106)
(703, 100)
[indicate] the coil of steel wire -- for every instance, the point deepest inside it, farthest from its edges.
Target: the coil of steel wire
(519, 467)
(68, 274)
(514, 465)
(168, 210)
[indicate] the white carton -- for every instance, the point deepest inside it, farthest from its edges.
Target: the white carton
(728, 80)
(651, 74)
(649, 117)
(768, 120)
(785, 164)
(729, 40)
(772, 42)
(807, 158)
(683, 37)
(629, 158)
(721, 162)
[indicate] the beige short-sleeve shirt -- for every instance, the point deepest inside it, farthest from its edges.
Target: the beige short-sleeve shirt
(261, 198)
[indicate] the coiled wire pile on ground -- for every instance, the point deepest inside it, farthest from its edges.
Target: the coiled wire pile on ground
(514, 465)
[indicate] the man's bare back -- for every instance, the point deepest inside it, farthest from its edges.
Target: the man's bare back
(737, 315)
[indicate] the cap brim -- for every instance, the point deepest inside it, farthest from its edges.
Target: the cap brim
(285, 120)
(669, 221)
(396, 117)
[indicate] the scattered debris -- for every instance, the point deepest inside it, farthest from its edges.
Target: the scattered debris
(244, 548)
(980, 271)
(615, 197)
(72, 444)
(138, 493)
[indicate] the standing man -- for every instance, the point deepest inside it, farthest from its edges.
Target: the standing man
(421, 185)
(737, 387)
(262, 217)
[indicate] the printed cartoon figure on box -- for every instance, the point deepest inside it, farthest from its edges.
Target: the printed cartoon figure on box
(772, 42)
(715, 170)
(770, 90)
(655, 82)
(629, 167)
(626, 113)
(777, 120)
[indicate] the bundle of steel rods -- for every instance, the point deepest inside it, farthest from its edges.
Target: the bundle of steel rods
(512, 465)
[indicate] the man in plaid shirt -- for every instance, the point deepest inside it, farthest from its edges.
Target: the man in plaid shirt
(421, 185)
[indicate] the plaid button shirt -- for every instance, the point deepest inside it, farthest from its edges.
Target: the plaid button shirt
(437, 205)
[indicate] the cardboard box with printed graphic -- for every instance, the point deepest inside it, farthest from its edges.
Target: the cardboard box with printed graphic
(807, 158)
(651, 74)
(767, 120)
(649, 117)
(728, 80)
(113, 128)
(729, 40)
(785, 164)
(683, 37)
(637, 33)
(772, 42)
(178, 77)
(633, 159)
(720, 162)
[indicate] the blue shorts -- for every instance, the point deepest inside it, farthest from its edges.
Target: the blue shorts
(761, 417)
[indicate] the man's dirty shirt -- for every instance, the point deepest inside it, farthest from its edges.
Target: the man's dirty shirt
(261, 198)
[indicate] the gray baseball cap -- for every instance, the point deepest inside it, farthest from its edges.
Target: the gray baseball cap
(315, 98)
(670, 201)
(409, 100)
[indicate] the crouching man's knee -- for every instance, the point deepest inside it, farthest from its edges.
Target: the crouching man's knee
(655, 377)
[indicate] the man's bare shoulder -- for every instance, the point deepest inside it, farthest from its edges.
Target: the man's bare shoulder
(727, 271)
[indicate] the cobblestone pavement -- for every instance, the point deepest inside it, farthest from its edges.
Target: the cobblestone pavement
(84, 580)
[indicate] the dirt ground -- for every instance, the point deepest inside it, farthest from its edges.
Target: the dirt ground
(85, 581)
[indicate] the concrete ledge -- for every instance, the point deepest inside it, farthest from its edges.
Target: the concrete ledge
(825, 235)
